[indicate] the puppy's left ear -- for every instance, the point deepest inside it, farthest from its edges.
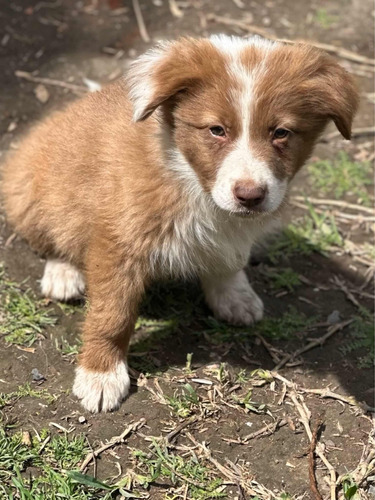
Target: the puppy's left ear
(165, 70)
(338, 96)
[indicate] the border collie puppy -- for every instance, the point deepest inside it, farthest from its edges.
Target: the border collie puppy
(174, 171)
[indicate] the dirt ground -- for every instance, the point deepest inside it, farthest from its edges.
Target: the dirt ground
(75, 44)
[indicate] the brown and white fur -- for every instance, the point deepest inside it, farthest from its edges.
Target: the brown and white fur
(174, 171)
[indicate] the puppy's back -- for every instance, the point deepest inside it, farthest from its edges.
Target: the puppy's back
(52, 184)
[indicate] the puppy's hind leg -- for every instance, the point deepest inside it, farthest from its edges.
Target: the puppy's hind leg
(62, 281)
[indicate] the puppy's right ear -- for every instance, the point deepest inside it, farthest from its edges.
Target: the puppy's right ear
(165, 70)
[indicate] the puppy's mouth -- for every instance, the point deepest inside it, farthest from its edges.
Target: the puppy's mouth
(247, 213)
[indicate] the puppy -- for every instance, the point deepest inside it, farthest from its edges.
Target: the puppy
(174, 171)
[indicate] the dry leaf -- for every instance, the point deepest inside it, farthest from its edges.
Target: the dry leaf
(26, 439)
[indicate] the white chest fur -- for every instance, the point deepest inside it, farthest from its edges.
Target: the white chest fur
(205, 239)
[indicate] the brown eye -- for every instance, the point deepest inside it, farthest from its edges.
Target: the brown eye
(280, 133)
(217, 131)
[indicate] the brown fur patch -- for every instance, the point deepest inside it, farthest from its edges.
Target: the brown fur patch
(301, 89)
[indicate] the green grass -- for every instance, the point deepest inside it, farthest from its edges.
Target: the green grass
(249, 404)
(360, 340)
(323, 18)
(66, 348)
(153, 332)
(160, 465)
(183, 402)
(30, 472)
(342, 177)
(72, 308)
(312, 233)
(23, 316)
(283, 327)
(283, 279)
(286, 326)
(26, 391)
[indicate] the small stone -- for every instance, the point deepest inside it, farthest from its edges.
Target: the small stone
(12, 126)
(334, 317)
(37, 376)
(81, 419)
(41, 93)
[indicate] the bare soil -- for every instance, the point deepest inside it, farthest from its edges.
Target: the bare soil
(71, 40)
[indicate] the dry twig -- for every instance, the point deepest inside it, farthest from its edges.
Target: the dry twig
(305, 419)
(356, 133)
(50, 81)
(314, 440)
(314, 343)
(140, 21)
(332, 49)
(323, 393)
(342, 217)
(175, 9)
(171, 436)
(346, 291)
(113, 442)
(267, 430)
(335, 203)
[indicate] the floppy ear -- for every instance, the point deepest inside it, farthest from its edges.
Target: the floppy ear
(165, 70)
(334, 93)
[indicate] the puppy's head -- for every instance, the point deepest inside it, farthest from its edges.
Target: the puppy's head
(244, 113)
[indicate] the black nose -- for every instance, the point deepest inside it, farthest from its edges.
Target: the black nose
(249, 196)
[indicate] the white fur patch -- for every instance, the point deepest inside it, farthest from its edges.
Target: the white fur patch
(139, 78)
(62, 281)
(205, 239)
(100, 391)
(232, 299)
(233, 45)
(240, 164)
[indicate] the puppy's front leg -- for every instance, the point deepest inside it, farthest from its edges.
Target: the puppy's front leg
(115, 287)
(232, 298)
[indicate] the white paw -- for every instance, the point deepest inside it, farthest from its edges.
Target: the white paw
(102, 391)
(233, 300)
(62, 281)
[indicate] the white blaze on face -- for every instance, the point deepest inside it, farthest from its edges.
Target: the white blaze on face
(241, 164)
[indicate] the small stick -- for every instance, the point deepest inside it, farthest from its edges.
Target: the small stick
(267, 430)
(346, 291)
(360, 218)
(269, 348)
(140, 21)
(44, 444)
(169, 437)
(175, 9)
(224, 470)
(338, 51)
(239, 4)
(356, 133)
(336, 203)
(314, 343)
(324, 393)
(113, 442)
(314, 440)
(49, 81)
(305, 419)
